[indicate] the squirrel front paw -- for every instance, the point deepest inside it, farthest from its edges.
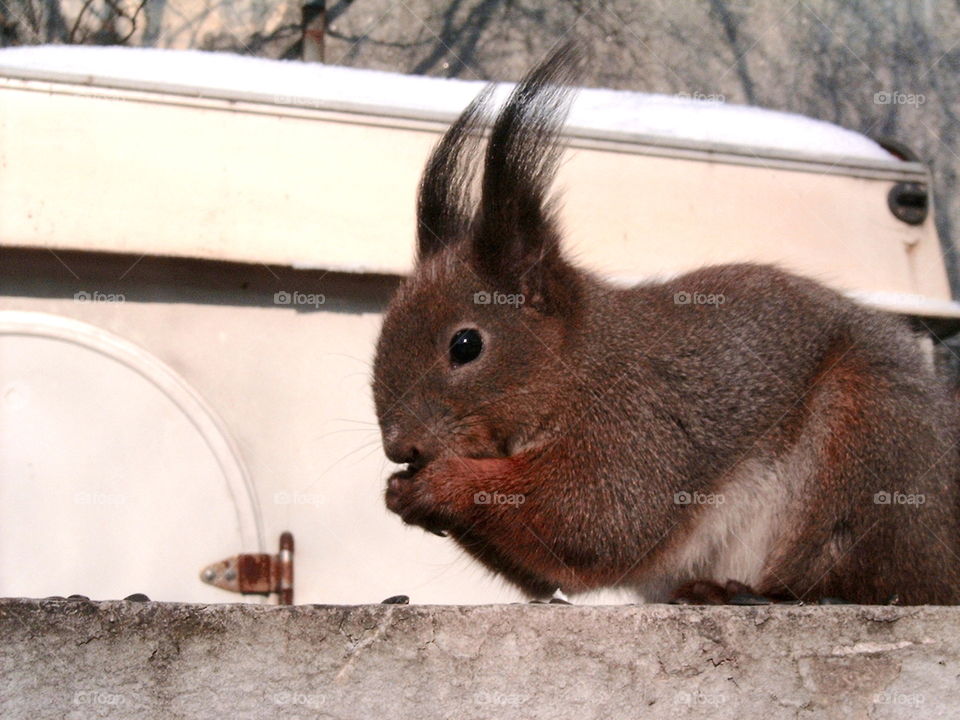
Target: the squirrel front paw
(409, 495)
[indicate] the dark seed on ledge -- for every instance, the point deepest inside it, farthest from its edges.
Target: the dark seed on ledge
(396, 600)
(137, 597)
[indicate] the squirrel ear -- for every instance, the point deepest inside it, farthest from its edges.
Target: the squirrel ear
(515, 241)
(444, 200)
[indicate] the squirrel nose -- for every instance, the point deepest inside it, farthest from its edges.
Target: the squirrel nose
(402, 454)
(404, 450)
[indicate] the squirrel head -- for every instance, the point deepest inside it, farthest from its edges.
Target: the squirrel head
(474, 343)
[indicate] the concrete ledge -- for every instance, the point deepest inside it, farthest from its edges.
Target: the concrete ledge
(73, 659)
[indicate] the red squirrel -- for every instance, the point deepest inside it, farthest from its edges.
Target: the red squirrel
(785, 442)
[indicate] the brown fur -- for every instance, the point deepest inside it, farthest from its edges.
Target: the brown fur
(598, 406)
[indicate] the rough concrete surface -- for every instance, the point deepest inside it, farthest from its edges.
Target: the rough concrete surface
(81, 659)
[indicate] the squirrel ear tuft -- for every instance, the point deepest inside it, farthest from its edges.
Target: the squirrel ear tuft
(515, 240)
(445, 204)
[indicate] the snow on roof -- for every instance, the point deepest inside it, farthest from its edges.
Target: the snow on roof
(690, 119)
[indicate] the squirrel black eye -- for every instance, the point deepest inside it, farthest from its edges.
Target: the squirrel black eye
(465, 345)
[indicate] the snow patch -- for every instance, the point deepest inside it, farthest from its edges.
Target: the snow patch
(315, 85)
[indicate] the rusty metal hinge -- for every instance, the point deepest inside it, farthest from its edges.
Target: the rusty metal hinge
(256, 573)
